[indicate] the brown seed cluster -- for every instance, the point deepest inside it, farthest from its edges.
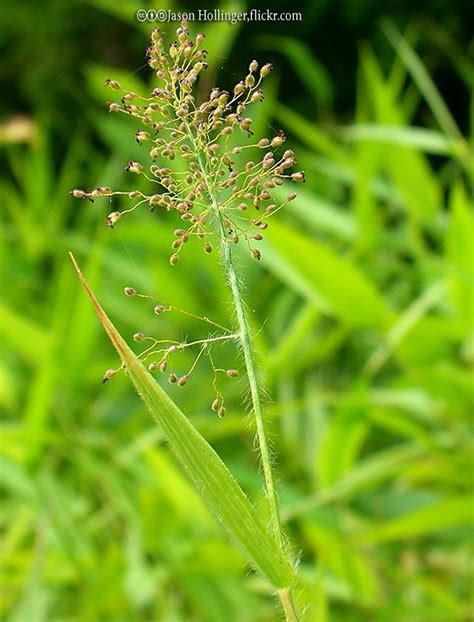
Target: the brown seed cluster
(217, 189)
(204, 165)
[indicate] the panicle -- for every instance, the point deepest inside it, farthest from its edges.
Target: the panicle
(202, 165)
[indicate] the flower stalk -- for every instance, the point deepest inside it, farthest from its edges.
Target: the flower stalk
(246, 344)
(220, 199)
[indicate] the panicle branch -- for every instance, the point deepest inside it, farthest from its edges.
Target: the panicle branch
(178, 128)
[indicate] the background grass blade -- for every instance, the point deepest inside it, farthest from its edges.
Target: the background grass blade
(205, 470)
(429, 141)
(423, 81)
(292, 256)
(427, 520)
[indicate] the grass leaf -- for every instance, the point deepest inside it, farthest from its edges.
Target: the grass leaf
(423, 81)
(427, 520)
(205, 470)
(333, 283)
(429, 141)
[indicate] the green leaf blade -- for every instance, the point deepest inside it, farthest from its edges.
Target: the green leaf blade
(209, 476)
(292, 256)
(449, 512)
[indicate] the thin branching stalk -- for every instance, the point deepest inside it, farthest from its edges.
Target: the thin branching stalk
(245, 338)
(209, 196)
(246, 343)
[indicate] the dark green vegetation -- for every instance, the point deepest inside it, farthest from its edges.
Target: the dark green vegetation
(363, 303)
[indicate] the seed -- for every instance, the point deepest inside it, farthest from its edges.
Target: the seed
(128, 97)
(221, 412)
(141, 136)
(258, 236)
(300, 176)
(257, 96)
(173, 378)
(159, 309)
(138, 337)
(242, 206)
(265, 70)
(129, 291)
(256, 254)
(291, 196)
(112, 218)
(174, 259)
(183, 380)
(253, 66)
(239, 88)
(134, 167)
(156, 35)
(216, 404)
(163, 365)
(113, 83)
(110, 373)
(208, 247)
(245, 124)
(78, 194)
(232, 373)
(155, 199)
(152, 366)
(277, 141)
(263, 142)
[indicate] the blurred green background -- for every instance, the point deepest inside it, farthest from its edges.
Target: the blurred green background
(363, 305)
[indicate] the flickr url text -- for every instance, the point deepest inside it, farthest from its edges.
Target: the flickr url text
(217, 15)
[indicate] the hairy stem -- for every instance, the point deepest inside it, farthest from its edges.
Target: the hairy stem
(246, 343)
(245, 340)
(288, 606)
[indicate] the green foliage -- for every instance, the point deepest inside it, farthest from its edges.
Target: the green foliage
(205, 470)
(364, 315)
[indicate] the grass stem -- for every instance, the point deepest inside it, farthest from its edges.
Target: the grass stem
(246, 343)
(288, 606)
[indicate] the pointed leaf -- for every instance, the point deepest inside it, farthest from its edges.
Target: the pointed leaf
(205, 470)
